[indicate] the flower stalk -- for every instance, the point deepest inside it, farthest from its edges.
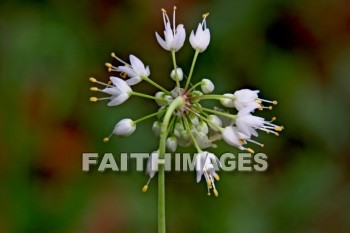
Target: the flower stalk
(177, 103)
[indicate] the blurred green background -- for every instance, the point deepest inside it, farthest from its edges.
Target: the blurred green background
(297, 52)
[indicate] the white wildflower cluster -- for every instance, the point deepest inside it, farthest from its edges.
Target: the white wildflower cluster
(182, 120)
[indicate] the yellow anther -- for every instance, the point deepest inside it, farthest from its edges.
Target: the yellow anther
(273, 118)
(216, 193)
(106, 140)
(109, 69)
(145, 188)
(277, 134)
(208, 194)
(163, 10)
(270, 107)
(217, 177)
(93, 99)
(205, 15)
(209, 183)
(262, 145)
(94, 89)
(109, 65)
(92, 79)
(258, 101)
(109, 82)
(175, 8)
(250, 150)
(278, 128)
(123, 75)
(113, 54)
(242, 141)
(260, 108)
(274, 102)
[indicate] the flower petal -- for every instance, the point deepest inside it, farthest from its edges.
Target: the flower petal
(133, 81)
(137, 65)
(118, 100)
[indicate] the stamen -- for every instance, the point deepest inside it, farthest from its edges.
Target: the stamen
(209, 183)
(205, 15)
(93, 99)
(163, 10)
(144, 188)
(123, 75)
(249, 150)
(255, 142)
(109, 65)
(217, 177)
(94, 89)
(216, 193)
(174, 19)
(106, 139)
(118, 59)
(258, 101)
(273, 119)
(279, 128)
(92, 79)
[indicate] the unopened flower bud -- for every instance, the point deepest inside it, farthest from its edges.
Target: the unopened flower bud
(207, 86)
(203, 127)
(228, 102)
(216, 121)
(179, 73)
(171, 144)
(156, 127)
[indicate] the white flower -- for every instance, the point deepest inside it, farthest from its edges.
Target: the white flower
(204, 163)
(171, 144)
(207, 86)
(174, 38)
(179, 73)
(124, 128)
(235, 138)
(152, 164)
(156, 127)
(136, 71)
(119, 91)
(151, 168)
(200, 40)
(246, 98)
(247, 123)
(214, 120)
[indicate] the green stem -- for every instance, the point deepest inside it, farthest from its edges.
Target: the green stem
(206, 120)
(179, 101)
(194, 86)
(155, 84)
(187, 125)
(145, 96)
(148, 116)
(175, 68)
(234, 117)
(192, 68)
(214, 97)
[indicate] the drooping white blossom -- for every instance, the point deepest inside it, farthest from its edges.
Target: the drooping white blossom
(204, 163)
(124, 128)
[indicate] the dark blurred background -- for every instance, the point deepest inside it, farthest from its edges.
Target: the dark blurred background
(297, 52)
